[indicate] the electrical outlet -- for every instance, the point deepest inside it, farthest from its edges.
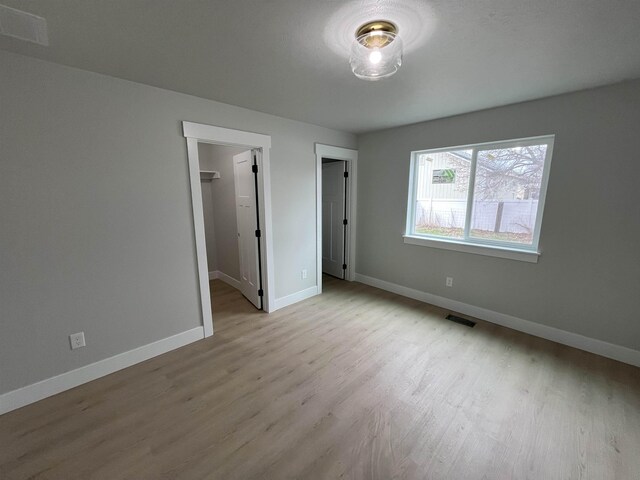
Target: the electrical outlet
(77, 340)
(449, 282)
(304, 273)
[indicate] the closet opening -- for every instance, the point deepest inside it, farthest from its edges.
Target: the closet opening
(231, 219)
(231, 204)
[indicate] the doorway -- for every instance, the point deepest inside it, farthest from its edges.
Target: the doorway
(231, 220)
(334, 217)
(248, 222)
(335, 252)
(255, 204)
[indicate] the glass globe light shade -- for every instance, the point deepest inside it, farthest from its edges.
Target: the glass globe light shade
(376, 55)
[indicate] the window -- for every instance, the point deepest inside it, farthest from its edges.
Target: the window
(488, 195)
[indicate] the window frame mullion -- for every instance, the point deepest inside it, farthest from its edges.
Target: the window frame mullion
(413, 194)
(470, 193)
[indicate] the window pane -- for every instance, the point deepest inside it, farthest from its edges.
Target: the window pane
(506, 193)
(442, 186)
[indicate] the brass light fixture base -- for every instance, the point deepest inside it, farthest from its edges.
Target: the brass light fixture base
(366, 34)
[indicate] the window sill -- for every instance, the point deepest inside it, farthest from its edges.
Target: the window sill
(461, 246)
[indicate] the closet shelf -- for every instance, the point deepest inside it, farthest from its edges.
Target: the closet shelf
(208, 175)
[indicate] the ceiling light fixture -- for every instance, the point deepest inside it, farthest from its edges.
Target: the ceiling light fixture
(376, 51)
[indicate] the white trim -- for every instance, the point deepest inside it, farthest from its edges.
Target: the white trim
(198, 230)
(488, 250)
(194, 133)
(605, 349)
(65, 381)
(295, 297)
(514, 142)
(229, 280)
(225, 136)
(471, 188)
(543, 191)
(351, 157)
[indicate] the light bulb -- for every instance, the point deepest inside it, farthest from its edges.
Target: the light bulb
(375, 56)
(376, 51)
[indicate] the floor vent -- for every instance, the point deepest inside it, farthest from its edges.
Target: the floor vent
(461, 321)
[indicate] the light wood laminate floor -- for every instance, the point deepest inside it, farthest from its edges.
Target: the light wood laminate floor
(355, 383)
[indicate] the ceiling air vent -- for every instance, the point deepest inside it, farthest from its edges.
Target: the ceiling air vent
(23, 25)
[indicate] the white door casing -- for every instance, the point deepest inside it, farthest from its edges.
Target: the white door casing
(351, 157)
(333, 214)
(246, 214)
(198, 132)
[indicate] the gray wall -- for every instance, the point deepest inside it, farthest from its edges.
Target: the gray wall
(588, 277)
(209, 225)
(95, 214)
(223, 206)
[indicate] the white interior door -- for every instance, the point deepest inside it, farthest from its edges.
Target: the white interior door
(247, 225)
(333, 214)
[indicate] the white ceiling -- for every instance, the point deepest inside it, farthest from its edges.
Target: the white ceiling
(290, 57)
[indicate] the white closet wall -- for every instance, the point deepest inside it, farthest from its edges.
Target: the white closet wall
(209, 225)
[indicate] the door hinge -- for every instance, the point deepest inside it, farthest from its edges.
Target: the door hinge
(260, 292)
(258, 233)
(346, 174)
(344, 222)
(344, 266)
(254, 168)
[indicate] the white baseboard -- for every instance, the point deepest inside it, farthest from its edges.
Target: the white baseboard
(609, 350)
(225, 278)
(65, 381)
(294, 298)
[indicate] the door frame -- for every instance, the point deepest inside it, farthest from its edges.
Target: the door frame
(351, 157)
(200, 133)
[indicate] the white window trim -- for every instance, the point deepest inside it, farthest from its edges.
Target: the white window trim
(481, 247)
(478, 249)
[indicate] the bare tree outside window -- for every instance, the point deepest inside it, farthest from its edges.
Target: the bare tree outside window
(516, 170)
(506, 183)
